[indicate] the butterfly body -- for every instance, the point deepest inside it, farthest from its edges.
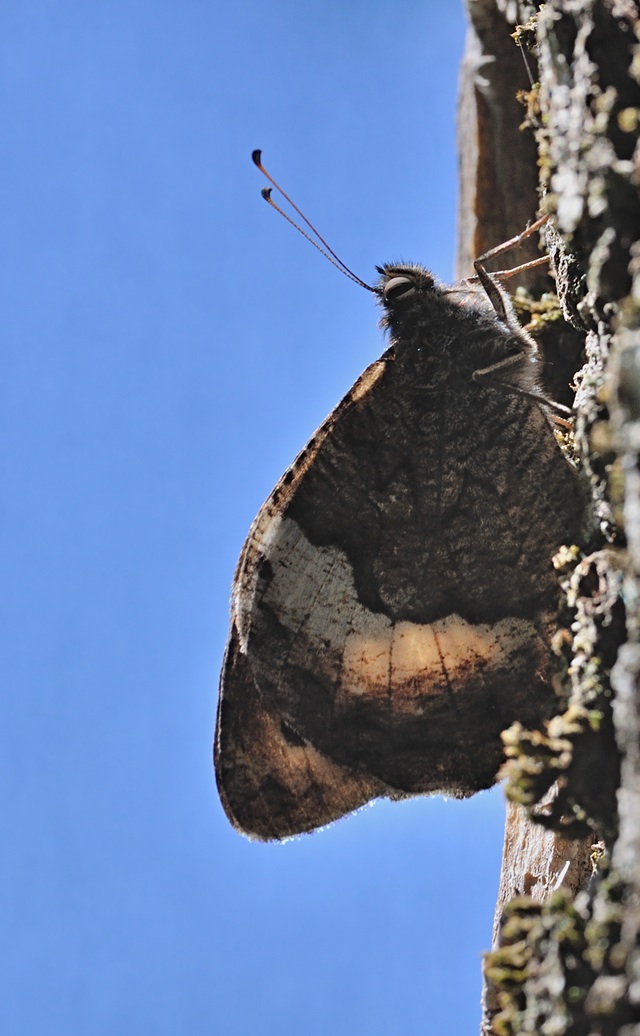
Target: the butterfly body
(394, 602)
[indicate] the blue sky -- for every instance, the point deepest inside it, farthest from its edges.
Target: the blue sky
(169, 344)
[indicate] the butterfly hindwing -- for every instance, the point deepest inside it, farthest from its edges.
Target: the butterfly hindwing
(272, 782)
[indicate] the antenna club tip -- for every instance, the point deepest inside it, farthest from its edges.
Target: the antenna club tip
(256, 157)
(266, 193)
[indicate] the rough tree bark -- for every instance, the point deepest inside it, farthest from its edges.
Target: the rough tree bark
(566, 954)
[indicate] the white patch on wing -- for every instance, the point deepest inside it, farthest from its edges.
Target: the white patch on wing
(309, 587)
(266, 525)
(261, 542)
(312, 593)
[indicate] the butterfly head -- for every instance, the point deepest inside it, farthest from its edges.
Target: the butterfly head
(401, 289)
(398, 284)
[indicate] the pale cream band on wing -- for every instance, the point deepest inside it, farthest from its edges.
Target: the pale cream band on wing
(312, 591)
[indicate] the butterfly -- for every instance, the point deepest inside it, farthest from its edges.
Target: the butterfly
(394, 602)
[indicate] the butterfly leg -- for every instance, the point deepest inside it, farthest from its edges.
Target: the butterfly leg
(492, 375)
(488, 376)
(514, 242)
(487, 280)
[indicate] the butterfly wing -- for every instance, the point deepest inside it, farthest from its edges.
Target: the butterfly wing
(272, 782)
(393, 601)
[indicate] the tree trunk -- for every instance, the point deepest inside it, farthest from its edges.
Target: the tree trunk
(566, 954)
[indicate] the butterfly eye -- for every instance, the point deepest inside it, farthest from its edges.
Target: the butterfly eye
(398, 288)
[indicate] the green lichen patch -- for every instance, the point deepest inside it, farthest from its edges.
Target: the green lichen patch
(576, 749)
(566, 967)
(539, 976)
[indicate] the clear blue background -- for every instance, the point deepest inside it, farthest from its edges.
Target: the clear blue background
(168, 345)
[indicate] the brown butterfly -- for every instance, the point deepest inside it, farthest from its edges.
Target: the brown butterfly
(394, 602)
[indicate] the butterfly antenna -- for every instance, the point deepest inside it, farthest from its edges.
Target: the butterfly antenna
(326, 251)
